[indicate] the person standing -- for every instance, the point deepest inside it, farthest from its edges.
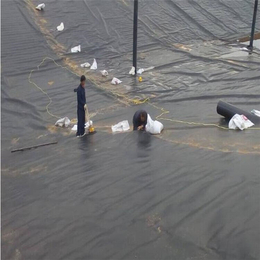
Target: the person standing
(81, 98)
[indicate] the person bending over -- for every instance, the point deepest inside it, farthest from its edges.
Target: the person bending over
(140, 120)
(81, 98)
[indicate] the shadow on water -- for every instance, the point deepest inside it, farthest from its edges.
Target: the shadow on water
(143, 140)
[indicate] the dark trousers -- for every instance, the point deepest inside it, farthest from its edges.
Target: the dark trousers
(81, 122)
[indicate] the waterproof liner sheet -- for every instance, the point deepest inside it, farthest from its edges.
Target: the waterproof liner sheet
(190, 193)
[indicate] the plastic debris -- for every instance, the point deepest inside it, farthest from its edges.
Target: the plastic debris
(140, 71)
(256, 112)
(60, 28)
(132, 71)
(120, 127)
(153, 127)
(94, 65)
(40, 7)
(116, 81)
(239, 122)
(63, 122)
(104, 73)
(87, 125)
(85, 65)
(76, 49)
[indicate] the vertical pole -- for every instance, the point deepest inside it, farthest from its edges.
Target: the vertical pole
(250, 47)
(135, 34)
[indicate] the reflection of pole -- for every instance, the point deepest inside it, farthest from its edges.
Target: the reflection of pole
(250, 47)
(135, 34)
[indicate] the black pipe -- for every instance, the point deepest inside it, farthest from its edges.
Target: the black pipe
(228, 111)
(32, 147)
(135, 34)
(250, 47)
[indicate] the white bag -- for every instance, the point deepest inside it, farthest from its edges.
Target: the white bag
(94, 65)
(116, 81)
(104, 73)
(85, 65)
(63, 122)
(87, 125)
(140, 71)
(120, 127)
(153, 127)
(132, 71)
(60, 28)
(76, 49)
(40, 7)
(239, 122)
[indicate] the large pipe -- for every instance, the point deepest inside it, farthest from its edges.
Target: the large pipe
(228, 111)
(135, 35)
(250, 47)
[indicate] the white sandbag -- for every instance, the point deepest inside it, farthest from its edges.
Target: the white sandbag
(256, 112)
(153, 127)
(60, 28)
(239, 122)
(63, 122)
(76, 49)
(104, 73)
(74, 128)
(120, 127)
(85, 65)
(116, 81)
(132, 71)
(140, 71)
(87, 125)
(94, 65)
(40, 7)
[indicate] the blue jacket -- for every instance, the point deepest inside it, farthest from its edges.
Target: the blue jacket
(81, 97)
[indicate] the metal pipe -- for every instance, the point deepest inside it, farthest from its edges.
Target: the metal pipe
(32, 147)
(250, 47)
(135, 35)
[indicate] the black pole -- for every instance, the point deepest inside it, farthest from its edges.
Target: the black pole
(250, 47)
(135, 34)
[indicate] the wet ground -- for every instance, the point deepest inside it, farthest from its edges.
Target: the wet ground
(191, 193)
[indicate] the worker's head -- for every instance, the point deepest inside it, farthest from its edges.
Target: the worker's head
(143, 116)
(83, 80)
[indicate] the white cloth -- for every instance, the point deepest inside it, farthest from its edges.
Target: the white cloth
(120, 127)
(132, 71)
(60, 28)
(116, 81)
(94, 65)
(87, 125)
(239, 122)
(76, 49)
(256, 112)
(63, 122)
(153, 127)
(40, 7)
(85, 65)
(104, 73)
